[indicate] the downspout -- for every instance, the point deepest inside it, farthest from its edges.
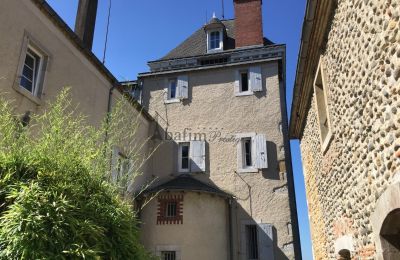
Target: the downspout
(230, 229)
(108, 116)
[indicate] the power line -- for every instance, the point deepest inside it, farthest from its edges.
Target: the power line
(108, 25)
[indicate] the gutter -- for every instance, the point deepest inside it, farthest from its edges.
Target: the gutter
(308, 23)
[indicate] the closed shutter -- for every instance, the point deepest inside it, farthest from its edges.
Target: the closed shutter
(183, 87)
(260, 152)
(255, 79)
(265, 242)
(198, 156)
(237, 82)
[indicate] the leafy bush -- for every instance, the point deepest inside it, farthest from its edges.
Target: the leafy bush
(56, 200)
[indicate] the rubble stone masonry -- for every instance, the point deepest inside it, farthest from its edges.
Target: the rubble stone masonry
(362, 68)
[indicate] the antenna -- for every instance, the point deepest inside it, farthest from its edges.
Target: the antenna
(108, 25)
(223, 10)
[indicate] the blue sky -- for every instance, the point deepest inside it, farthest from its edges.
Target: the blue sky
(141, 31)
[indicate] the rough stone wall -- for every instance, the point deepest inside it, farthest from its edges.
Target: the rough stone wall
(362, 67)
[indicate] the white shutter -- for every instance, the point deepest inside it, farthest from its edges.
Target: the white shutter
(237, 82)
(183, 87)
(255, 79)
(166, 90)
(260, 152)
(198, 156)
(239, 155)
(265, 241)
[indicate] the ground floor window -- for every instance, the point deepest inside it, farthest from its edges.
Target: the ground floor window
(168, 255)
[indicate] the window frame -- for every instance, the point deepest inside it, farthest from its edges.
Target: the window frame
(221, 41)
(30, 43)
(239, 89)
(180, 146)
(245, 163)
(320, 76)
(241, 168)
(166, 257)
(167, 209)
(253, 228)
(171, 80)
(163, 248)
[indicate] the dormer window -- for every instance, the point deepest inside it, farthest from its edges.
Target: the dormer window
(215, 41)
(215, 35)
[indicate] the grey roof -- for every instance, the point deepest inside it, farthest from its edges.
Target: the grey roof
(185, 182)
(196, 44)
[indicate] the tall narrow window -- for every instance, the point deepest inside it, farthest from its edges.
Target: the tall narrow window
(31, 71)
(215, 40)
(172, 89)
(184, 158)
(247, 157)
(320, 89)
(252, 242)
(244, 81)
(168, 255)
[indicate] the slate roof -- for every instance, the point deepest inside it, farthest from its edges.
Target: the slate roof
(186, 182)
(196, 44)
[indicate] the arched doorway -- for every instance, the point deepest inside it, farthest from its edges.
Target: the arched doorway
(390, 236)
(386, 224)
(344, 254)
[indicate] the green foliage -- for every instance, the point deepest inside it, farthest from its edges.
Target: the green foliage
(56, 200)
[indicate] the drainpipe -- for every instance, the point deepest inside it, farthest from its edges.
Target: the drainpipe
(110, 93)
(230, 229)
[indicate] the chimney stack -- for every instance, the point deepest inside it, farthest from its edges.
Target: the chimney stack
(86, 21)
(248, 23)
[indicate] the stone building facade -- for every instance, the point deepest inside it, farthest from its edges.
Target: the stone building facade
(219, 101)
(345, 112)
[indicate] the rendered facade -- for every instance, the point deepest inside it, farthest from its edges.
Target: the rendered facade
(345, 114)
(215, 113)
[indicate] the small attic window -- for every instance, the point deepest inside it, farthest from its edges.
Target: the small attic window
(215, 41)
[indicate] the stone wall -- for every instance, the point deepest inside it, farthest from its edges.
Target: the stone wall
(362, 67)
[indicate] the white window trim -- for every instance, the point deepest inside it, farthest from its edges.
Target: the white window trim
(35, 78)
(180, 157)
(169, 99)
(241, 93)
(221, 41)
(242, 169)
(324, 143)
(30, 43)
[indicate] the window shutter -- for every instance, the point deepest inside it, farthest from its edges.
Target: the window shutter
(183, 87)
(237, 82)
(265, 241)
(166, 90)
(260, 154)
(198, 156)
(255, 79)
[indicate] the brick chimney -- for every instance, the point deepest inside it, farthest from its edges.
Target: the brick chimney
(86, 21)
(248, 23)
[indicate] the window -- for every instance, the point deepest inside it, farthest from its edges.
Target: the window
(120, 165)
(168, 255)
(244, 81)
(251, 152)
(252, 242)
(247, 161)
(322, 108)
(248, 81)
(172, 93)
(192, 156)
(31, 71)
(184, 157)
(170, 210)
(214, 40)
